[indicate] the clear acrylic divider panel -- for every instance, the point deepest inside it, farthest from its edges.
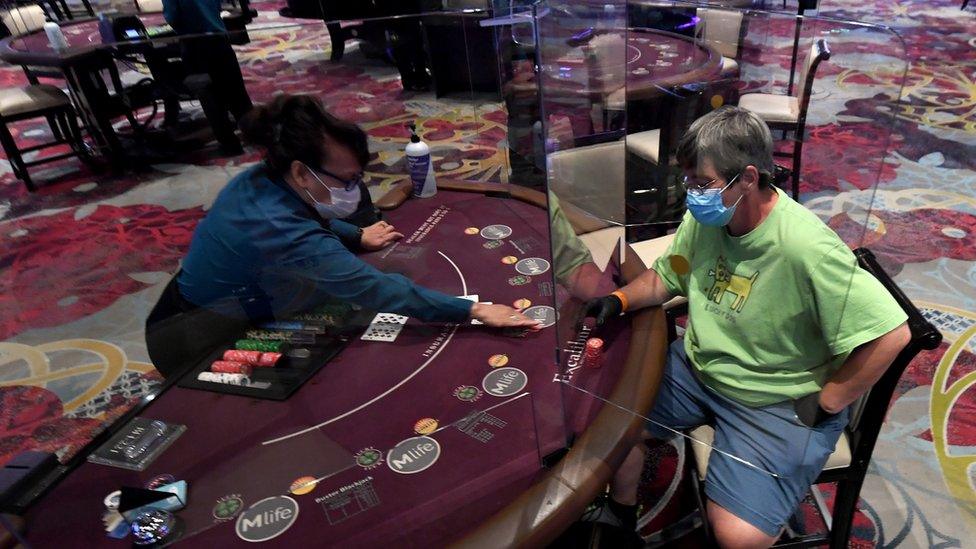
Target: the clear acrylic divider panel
(611, 151)
(425, 436)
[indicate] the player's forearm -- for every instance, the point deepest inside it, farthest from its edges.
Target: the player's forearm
(647, 290)
(862, 369)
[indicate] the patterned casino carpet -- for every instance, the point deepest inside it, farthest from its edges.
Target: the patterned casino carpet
(84, 258)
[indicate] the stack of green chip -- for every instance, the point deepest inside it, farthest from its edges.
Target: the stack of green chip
(257, 345)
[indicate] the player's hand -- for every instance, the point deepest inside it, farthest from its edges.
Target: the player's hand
(378, 236)
(809, 411)
(502, 316)
(602, 309)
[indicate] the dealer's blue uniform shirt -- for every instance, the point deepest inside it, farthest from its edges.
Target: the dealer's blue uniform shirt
(261, 243)
(193, 16)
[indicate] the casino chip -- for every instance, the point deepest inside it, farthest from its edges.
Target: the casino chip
(369, 458)
(227, 507)
(425, 426)
(302, 485)
(519, 280)
(509, 260)
(497, 361)
(467, 393)
(472, 230)
(522, 304)
(160, 480)
(593, 355)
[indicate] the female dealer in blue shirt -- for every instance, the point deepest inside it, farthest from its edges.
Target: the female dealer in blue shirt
(274, 240)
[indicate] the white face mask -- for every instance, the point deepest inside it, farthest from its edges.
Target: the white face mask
(343, 203)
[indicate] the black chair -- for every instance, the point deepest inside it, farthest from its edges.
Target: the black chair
(848, 465)
(789, 112)
(36, 101)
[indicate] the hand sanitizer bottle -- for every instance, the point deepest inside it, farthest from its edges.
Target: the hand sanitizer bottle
(420, 165)
(55, 36)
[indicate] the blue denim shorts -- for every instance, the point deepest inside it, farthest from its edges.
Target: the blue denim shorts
(770, 437)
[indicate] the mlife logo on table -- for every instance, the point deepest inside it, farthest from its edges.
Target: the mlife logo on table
(413, 455)
(267, 518)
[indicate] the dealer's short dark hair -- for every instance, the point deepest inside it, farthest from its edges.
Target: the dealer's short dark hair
(293, 127)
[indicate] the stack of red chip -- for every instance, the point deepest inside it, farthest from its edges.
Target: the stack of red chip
(230, 367)
(254, 358)
(593, 355)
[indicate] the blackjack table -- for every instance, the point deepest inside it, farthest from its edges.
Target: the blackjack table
(443, 434)
(647, 60)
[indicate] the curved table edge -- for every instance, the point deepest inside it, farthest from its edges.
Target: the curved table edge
(544, 511)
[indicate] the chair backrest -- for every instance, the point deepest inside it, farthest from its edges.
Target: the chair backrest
(721, 29)
(23, 20)
(869, 412)
(149, 6)
(819, 51)
(591, 177)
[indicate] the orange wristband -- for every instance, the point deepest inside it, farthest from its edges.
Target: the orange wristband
(623, 299)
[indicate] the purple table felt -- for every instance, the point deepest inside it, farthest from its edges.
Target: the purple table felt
(369, 398)
(650, 59)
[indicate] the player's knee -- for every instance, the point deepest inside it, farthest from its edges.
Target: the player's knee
(731, 532)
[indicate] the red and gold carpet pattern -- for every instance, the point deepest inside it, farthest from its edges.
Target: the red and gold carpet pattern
(83, 259)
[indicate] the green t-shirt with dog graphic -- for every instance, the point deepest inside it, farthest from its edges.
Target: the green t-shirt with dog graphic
(772, 313)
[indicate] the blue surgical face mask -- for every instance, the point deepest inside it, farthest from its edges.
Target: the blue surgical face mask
(343, 203)
(707, 207)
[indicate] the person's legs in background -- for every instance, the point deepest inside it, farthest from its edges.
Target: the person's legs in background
(222, 91)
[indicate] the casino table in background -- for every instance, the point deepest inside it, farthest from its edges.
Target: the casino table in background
(486, 484)
(654, 59)
(86, 56)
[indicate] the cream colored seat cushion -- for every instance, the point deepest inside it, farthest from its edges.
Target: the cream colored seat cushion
(149, 6)
(729, 66)
(840, 458)
(772, 108)
(645, 144)
(17, 101)
(602, 243)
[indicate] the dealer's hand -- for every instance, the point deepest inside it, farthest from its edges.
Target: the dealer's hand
(809, 411)
(602, 309)
(378, 236)
(502, 316)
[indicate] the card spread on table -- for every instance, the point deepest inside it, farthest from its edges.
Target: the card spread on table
(384, 327)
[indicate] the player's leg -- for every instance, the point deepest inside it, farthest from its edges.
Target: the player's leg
(678, 405)
(732, 532)
(751, 504)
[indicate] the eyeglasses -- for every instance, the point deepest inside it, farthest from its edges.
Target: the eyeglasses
(695, 186)
(347, 184)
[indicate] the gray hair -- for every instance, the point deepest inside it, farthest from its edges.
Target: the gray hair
(731, 138)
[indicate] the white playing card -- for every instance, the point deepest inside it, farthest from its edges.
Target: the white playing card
(389, 318)
(385, 327)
